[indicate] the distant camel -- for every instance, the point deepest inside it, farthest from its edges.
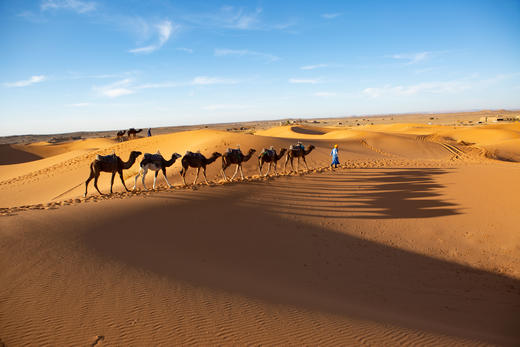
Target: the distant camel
(197, 160)
(155, 162)
(133, 132)
(110, 163)
(269, 156)
(120, 135)
(297, 151)
(235, 156)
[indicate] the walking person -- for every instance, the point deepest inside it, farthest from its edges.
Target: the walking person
(335, 159)
(149, 132)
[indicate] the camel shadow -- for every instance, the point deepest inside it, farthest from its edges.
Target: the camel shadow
(376, 194)
(221, 239)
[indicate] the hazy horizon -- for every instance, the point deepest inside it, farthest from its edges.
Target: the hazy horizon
(73, 65)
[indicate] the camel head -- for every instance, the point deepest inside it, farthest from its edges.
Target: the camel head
(176, 156)
(216, 155)
(311, 147)
(283, 150)
(251, 151)
(135, 154)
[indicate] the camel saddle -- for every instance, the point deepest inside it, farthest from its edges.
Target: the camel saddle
(297, 146)
(269, 152)
(235, 151)
(107, 158)
(151, 158)
(193, 154)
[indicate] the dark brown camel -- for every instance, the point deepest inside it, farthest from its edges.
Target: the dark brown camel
(197, 160)
(133, 132)
(297, 151)
(269, 156)
(155, 162)
(110, 163)
(120, 135)
(235, 156)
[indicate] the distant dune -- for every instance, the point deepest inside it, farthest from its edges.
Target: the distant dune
(413, 240)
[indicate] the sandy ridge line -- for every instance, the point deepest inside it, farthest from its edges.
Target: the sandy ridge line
(67, 164)
(349, 164)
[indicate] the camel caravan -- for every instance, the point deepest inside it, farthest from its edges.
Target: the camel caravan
(131, 133)
(156, 162)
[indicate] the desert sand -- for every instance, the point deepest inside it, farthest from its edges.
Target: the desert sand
(412, 240)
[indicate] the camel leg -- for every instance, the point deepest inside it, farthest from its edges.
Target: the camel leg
(223, 174)
(305, 162)
(236, 171)
(241, 172)
(165, 177)
(275, 173)
(155, 178)
(112, 181)
(136, 177)
(183, 174)
(292, 165)
(197, 176)
(95, 183)
(145, 171)
(204, 173)
(260, 164)
(285, 165)
(92, 175)
(268, 169)
(122, 180)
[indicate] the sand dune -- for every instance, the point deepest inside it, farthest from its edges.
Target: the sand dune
(412, 241)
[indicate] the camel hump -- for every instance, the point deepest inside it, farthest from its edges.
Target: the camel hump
(234, 150)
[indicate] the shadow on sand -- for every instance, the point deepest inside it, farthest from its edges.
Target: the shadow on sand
(219, 238)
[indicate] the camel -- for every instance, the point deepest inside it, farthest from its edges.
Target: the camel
(120, 135)
(110, 163)
(155, 162)
(269, 156)
(133, 132)
(297, 151)
(197, 160)
(235, 156)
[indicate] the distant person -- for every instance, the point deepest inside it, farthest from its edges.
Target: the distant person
(149, 132)
(335, 159)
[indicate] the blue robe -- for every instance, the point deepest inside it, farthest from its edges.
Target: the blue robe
(334, 154)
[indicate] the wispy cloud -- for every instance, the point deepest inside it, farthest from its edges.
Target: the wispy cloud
(219, 52)
(80, 104)
(325, 94)
(205, 80)
(228, 17)
(303, 80)
(218, 107)
(164, 31)
(312, 67)
(184, 49)
(424, 87)
(331, 15)
(116, 89)
(73, 5)
(25, 83)
(412, 58)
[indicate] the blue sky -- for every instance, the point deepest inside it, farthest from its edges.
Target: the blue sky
(68, 65)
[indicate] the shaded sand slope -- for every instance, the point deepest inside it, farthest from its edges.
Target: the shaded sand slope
(61, 176)
(365, 256)
(10, 155)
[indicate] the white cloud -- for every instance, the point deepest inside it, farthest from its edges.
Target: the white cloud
(219, 52)
(204, 80)
(74, 5)
(184, 49)
(331, 15)
(224, 107)
(80, 104)
(325, 94)
(164, 31)
(229, 17)
(300, 80)
(116, 89)
(312, 67)
(25, 83)
(412, 58)
(425, 87)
